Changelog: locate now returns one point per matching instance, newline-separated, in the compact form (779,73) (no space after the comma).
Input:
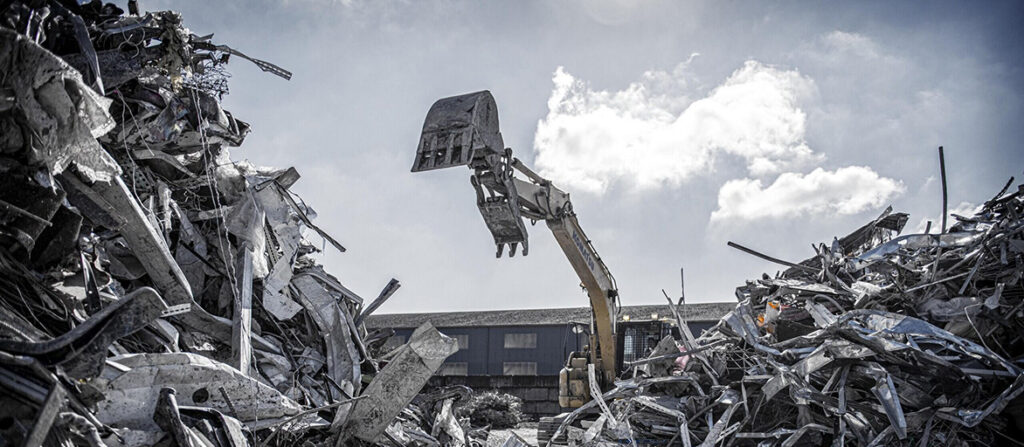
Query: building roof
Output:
(542,317)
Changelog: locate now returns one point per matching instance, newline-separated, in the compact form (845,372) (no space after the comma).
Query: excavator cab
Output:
(463,130)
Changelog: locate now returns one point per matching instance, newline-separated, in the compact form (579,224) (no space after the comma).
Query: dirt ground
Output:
(525,430)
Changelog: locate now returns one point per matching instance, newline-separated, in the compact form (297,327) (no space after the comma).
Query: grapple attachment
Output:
(500,211)
(459,130)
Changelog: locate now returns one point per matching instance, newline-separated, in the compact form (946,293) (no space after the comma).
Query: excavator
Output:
(463,131)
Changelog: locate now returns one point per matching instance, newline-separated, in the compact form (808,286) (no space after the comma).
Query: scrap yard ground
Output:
(155,292)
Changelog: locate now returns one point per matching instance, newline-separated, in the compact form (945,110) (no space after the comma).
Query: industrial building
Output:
(536,342)
(520,352)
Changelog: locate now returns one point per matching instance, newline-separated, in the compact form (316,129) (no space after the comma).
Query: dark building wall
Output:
(554,343)
(487,354)
(478,351)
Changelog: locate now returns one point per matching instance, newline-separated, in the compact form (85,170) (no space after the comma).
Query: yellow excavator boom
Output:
(463,131)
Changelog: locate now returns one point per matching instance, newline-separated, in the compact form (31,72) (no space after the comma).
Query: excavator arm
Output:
(463,130)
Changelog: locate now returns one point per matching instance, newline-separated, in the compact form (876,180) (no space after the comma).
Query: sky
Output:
(675,127)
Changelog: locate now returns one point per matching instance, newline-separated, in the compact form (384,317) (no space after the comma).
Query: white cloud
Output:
(851,54)
(652,133)
(965,209)
(847,190)
(854,43)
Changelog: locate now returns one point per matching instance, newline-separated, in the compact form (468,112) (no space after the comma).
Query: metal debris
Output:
(399,382)
(879,339)
(153,291)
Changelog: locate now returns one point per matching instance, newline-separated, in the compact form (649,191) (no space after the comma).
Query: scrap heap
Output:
(879,339)
(154,291)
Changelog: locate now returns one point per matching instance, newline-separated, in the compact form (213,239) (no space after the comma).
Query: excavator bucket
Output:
(463,130)
(459,130)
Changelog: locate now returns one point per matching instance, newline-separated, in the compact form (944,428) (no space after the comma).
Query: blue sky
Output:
(676,126)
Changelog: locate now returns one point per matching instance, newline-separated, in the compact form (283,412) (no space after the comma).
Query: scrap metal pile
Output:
(879,339)
(152,291)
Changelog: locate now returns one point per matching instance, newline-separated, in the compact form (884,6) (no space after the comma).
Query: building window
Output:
(393,342)
(454,369)
(463,341)
(519,368)
(520,341)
